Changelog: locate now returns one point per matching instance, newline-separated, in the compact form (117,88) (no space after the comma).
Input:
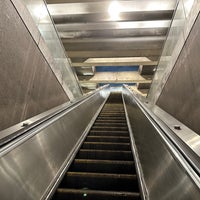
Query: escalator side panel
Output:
(164,177)
(29,167)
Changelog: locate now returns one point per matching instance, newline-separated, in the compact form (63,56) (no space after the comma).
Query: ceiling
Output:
(113,34)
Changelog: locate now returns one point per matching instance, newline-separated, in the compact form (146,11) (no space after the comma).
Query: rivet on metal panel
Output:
(25,124)
(177,127)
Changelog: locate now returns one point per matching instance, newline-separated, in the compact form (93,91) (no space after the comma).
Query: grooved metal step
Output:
(82,194)
(106,146)
(109,133)
(111,121)
(111,124)
(103,166)
(95,138)
(109,128)
(100,181)
(111,115)
(104,154)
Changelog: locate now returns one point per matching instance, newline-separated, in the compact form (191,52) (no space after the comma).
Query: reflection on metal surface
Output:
(15,131)
(102,7)
(30,166)
(50,45)
(184,18)
(113,25)
(114,10)
(166,173)
(142,184)
(186,135)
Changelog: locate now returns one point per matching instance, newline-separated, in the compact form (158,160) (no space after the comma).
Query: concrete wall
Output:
(27,84)
(181,94)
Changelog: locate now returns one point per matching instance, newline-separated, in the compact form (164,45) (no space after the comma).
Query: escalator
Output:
(104,166)
(85,151)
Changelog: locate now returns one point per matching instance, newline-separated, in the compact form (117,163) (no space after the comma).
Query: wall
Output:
(27,84)
(183,20)
(181,94)
(35,16)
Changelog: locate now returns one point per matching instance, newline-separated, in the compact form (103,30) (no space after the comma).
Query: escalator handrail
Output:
(188,163)
(10,134)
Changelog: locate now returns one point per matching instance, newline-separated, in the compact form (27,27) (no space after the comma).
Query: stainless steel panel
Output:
(114,40)
(165,175)
(184,18)
(180,96)
(30,165)
(104,17)
(114,25)
(114,33)
(24,91)
(35,16)
(187,140)
(101,7)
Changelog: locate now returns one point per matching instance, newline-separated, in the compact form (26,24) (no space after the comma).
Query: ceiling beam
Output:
(76,1)
(113,25)
(118,45)
(113,33)
(105,17)
(117,53)
(101,7)
(115,64)
(114,81)
(114,40)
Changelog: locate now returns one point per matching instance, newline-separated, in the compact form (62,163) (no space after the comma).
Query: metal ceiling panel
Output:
(113,25)
(117,53)
(114,40)
(114,45)
(114,33)
(88,32)
(101,7)
(104,17)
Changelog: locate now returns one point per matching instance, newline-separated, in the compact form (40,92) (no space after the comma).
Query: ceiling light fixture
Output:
(114,10)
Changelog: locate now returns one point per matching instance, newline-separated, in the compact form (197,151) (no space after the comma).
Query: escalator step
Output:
(106,146)
(110,124)
(113,111)
(81,194)
(111,115)
(103,166)
(109,133)
(111,121)
(111,118)
(100,181)
(104,154)
(91,138)
(109,128)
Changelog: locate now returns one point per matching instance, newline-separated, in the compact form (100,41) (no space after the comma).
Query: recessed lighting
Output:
(114,10)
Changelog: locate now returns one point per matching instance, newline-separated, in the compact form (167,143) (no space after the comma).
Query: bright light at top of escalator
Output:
(40,12)
(114,10)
